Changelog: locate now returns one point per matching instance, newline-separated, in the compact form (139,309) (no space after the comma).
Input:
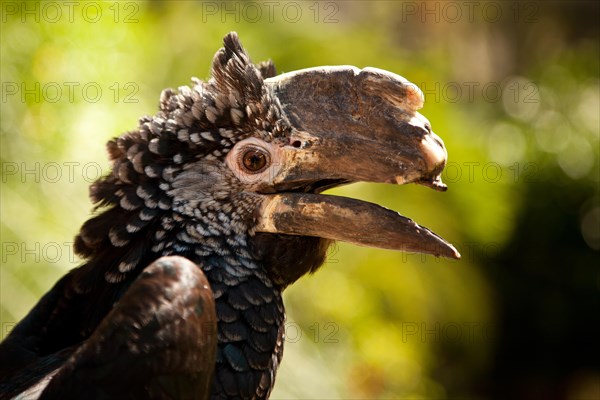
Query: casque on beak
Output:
(352,125)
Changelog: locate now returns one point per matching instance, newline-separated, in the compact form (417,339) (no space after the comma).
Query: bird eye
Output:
(255,160)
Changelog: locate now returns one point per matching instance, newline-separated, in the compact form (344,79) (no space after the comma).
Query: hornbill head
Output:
(241,159)
(284,139)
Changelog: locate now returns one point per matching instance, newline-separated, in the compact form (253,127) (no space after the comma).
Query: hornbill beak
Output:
(352,125)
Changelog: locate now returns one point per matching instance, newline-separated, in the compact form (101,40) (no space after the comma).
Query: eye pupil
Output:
(254,160)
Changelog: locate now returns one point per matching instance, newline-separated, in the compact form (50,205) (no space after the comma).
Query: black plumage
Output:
(193,239)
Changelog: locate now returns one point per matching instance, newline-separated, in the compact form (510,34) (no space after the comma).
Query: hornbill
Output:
(213,206)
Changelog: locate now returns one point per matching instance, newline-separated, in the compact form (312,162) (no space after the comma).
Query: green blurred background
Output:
(512,88)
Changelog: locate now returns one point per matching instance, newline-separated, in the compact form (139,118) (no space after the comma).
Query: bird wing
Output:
(159,341)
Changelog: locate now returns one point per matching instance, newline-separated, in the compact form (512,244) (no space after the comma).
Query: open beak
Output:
(352,125)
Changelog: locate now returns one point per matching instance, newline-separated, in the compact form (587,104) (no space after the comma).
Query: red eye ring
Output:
(254,160)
